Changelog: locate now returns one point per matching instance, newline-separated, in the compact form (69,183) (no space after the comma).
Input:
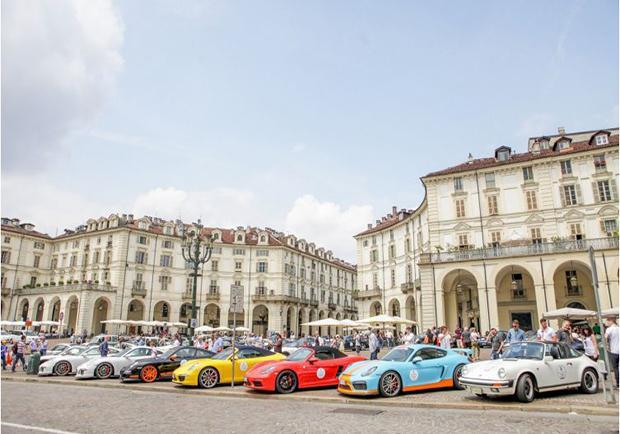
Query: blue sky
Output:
(312,117)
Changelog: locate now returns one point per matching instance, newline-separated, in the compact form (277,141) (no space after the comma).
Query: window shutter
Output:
(595,192)
(578,194)
(614,189)
(562,198)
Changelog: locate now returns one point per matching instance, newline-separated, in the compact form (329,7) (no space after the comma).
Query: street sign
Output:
(236,298)
(193,323)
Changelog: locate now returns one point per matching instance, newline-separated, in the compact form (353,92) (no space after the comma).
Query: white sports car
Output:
(529,367)
(67,362)
(111,366)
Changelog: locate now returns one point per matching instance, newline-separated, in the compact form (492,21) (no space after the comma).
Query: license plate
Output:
(476,389)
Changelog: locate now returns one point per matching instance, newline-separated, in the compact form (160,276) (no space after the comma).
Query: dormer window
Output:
(563,144)
(602,139)
(142,225)
(544,143)
(215,236)
(503,155)
(239,237)
(263,238)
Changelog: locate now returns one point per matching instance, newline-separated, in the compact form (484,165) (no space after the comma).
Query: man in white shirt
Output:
(612,336)
(373,345)
(409,337)
(546,333)
(445,340)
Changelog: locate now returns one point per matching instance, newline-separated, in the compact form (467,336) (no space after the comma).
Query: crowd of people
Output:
(14,351)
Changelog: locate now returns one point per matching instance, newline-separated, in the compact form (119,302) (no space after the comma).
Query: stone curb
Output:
(606,410)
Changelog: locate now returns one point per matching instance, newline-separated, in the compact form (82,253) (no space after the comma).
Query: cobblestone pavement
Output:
(80,409)
(561,401)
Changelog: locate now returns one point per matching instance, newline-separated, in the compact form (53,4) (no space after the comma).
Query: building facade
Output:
(125,268)
(500,238)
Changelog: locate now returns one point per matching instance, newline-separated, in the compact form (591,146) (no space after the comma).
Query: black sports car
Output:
(161,368)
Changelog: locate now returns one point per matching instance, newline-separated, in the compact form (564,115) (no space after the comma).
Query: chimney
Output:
(383,219)
(369,225)
(394,210)
(130,218)
(470,158)
(378,221)
(561,131)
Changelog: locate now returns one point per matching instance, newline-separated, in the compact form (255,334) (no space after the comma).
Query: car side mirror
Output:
(548,359)
(417,359)
(313,360)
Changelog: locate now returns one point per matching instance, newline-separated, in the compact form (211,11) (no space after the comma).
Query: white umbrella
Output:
(325,322)
(351,323)
(12,323)
(204,328)
(179,324)
(610,312)
(222,329)
(49,323)
(242,329)
(569,313)
(115,321)
(386,319)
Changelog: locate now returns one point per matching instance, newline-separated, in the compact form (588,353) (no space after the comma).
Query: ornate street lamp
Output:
(196,250)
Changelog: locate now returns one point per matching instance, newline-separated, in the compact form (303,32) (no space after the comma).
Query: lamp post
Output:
(196,250)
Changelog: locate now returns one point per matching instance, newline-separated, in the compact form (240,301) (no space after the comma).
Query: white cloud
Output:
(328,224)
(60,61)
(225,207)
(50,209)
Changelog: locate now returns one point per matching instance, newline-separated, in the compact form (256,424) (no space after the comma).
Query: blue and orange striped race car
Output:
(406,368)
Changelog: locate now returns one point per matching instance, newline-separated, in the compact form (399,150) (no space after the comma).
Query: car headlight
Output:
(369,371)
(464,370)
(268,369)
(501,373)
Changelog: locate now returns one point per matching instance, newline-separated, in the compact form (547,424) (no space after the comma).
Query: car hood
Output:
(488,368)
(359,367)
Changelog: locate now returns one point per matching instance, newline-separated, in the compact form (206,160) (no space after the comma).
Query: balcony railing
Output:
(406,287)
(331,305)
(67,287)
(314,301)
(370,293)
(562,246)
(187,295)
(573,291)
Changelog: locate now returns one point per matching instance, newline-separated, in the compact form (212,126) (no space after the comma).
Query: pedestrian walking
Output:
(43,346)
(104,348)
(18,353)
(475,343)
(357,340)
(373,344)
(277,347)
(612,336)
(3,352)
(497,343)
(466,338)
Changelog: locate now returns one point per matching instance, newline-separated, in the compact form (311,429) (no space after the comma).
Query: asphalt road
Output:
(39,407)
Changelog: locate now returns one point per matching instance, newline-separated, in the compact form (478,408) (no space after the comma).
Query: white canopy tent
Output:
(12,323)
(202,329)
(385,319)
(325,322)
(569,313)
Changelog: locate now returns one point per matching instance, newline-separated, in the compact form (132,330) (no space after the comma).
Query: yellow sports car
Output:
(208,373)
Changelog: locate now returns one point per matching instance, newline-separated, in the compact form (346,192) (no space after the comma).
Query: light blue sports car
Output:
(405,368)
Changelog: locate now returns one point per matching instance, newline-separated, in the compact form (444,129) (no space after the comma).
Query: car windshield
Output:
(223,355)
(398,355)
(524,350)
(299,355)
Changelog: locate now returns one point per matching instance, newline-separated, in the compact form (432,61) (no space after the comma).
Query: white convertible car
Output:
(111,366)
(67,362)
(529,367)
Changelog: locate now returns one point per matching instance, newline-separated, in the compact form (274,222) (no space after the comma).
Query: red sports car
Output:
(305,368)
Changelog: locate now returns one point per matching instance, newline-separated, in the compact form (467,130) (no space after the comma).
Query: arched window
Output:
(164,310)
(576,305)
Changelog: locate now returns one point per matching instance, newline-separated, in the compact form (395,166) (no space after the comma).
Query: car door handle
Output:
(569,364)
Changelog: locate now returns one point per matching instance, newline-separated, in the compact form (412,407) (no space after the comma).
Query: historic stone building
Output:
(500,238)
(124,268)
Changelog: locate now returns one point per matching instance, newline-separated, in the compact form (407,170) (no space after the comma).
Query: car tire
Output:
(286,382)
(525,388)
(390,384)
(104,370)
(62,368)
(148,374)
(589,381)
(208,378)
(456,376)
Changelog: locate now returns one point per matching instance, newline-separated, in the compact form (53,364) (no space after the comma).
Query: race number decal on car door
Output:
(413,375)
(243,366)
(320,373)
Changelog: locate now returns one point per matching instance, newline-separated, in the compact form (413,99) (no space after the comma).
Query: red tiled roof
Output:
(484,163)
(19,230)
(389,222)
